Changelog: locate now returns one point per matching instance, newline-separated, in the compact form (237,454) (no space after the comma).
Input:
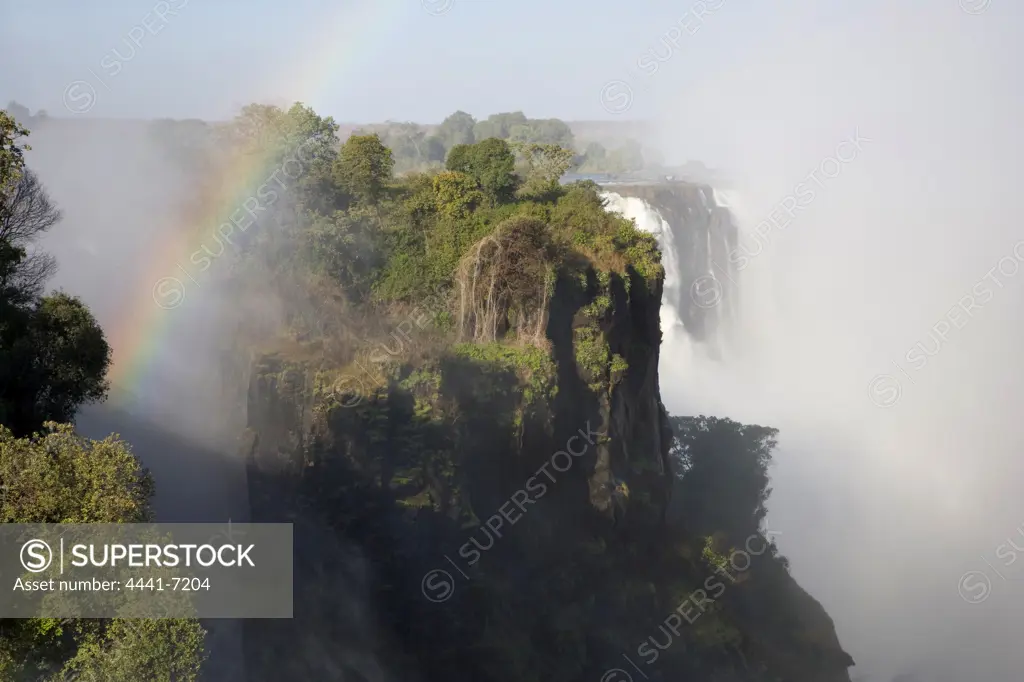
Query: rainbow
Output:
(169,279)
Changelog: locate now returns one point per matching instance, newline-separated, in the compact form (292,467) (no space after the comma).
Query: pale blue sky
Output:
(549,58)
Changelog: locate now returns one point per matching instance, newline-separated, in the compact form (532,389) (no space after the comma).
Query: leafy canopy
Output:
(59,477)
(364,167)
(491,163)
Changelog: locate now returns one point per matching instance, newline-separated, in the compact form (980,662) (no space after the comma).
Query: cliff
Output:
(481,487)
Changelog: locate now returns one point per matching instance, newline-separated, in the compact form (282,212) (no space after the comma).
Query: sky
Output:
(883,509)
(388,59)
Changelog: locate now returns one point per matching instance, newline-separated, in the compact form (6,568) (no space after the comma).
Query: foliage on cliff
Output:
(467,367)
(448,334)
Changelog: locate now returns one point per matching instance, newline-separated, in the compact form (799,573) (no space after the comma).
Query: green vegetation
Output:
(54,358)
(418,148)
(451,323)
(720,459)
(490,163)
(490,313)
(532,365)
(58,477)
(364,167)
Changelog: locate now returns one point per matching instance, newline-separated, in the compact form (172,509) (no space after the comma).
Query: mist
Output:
(899,464)
(121,194)
(895,482)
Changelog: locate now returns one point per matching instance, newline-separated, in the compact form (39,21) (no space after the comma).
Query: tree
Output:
(257,127)
(364,167)
(490,162)
(546,164)
(460,158)
(457,194)
(543,131)
(277,135)
(344,247)
(12,154)
(26,212)
(723,467)
(53,359)
(13,295)
(494,166)
(163,650)
(53,356)
(498,125)
(59,477)
(457,129)
(412,148)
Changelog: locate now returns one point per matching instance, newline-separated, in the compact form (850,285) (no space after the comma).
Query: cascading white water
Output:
(650,220)
(701,290)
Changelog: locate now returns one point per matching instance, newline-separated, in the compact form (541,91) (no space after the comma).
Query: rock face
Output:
(497,510)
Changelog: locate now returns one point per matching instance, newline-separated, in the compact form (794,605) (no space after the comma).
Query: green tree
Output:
(59,477)
(598,159)
(12,154)
(53,356)
(545,166)
(53,359)
(344,247)
(364,167)
(498,125)
(164,650)
(723,466)
(56,476)
(457,194)
(490,162)
(256,129)
(547,131)
(460,158)
(413,150)
(277,136)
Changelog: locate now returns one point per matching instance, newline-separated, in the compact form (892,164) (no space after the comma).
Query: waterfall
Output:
(651,221)
(696,234)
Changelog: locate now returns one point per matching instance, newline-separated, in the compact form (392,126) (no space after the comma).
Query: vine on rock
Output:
(505,283)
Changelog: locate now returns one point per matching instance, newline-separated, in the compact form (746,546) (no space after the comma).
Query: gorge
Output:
(392,443)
